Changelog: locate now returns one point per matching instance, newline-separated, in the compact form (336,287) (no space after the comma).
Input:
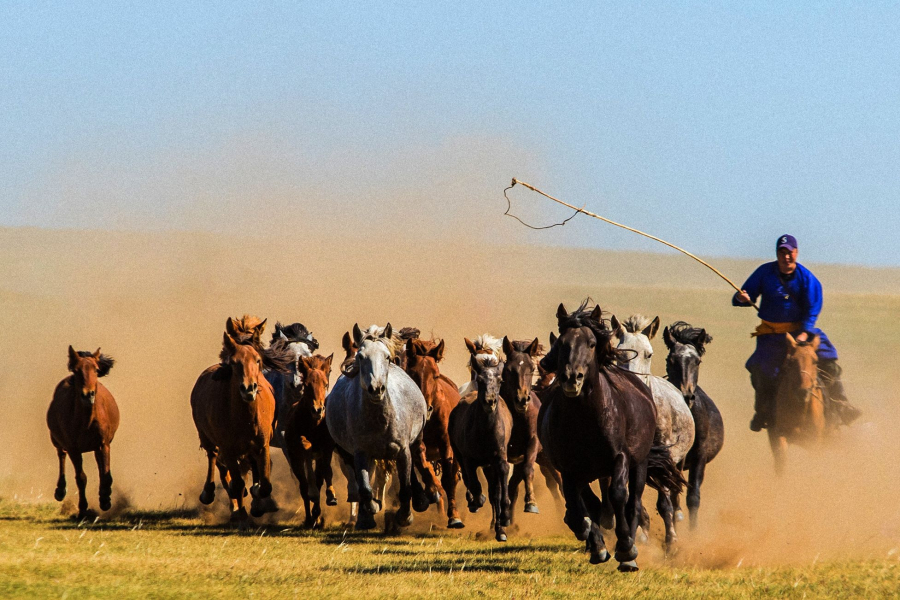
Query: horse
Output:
(83,417)
(300,341)
(405,334)
(524,405)
(799,401)
(233,408)
(674,422)
(308,446)
(485,345)
(552,478)
(598,421)
(686,345)
(480,428)
(441,397)
(376,411)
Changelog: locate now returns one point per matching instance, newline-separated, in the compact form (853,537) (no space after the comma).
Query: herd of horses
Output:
(588,410)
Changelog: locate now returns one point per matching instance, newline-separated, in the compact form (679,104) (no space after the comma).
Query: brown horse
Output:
(523,405)
(799,401)
(441,397)
(598,421)
(308,445)
(83,417)
(233,407)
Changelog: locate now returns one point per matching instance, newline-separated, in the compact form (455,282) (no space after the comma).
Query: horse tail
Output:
(662,472)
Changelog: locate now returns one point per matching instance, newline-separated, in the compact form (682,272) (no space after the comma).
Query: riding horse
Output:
(686,345)
(83,417)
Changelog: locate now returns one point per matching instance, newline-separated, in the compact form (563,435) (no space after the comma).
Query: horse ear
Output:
(553,338)
(228,343)
(597,313)
(410,349)
(258,330)
(651,329)
(326,366)
(357,335)
(345,342)
(437,353)
(614,323)
(73,359)
(230,327)
(791,341)
(96,355)
(816,340)
(535,348)
(303,365)
(667,338)
(388,331)
(561,312)
(507,346)
(471,346)
(618,332)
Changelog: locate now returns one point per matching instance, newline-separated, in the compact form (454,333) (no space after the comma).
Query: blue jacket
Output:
(794,299)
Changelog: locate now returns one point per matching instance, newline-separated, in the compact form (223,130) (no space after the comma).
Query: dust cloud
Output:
(435,254)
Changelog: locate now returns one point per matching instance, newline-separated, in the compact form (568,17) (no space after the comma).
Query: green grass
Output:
(165,554)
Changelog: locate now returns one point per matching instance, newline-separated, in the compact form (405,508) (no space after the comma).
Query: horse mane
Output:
(636,323)
(408,333)
(104,363)
(295,332)
(247,323)
(685,333)
(486,345)
(317,361)
(394,345)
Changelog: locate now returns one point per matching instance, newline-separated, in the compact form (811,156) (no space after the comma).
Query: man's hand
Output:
(802,337)
(744,297)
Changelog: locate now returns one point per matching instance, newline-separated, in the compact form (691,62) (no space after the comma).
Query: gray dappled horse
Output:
(288,387)
(376,412)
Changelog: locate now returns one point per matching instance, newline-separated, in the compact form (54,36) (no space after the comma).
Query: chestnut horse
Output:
(441,396)
(83,417)
(523,405)
(233,408)
(799,401)
(598,421)
(308,445)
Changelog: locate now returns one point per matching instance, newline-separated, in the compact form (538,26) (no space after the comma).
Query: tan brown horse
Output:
(83,417)
(441,396)
(308,445)
(233,408)
(799,401)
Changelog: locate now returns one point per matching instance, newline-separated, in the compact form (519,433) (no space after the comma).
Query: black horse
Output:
(686,345)
(598,421)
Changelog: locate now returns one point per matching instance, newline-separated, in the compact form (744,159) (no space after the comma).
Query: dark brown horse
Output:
(523,405)
(308,445)
(480,428)
(83,417)
(799,401)
(441,397)
(233,408)
(598,421)
(686,345)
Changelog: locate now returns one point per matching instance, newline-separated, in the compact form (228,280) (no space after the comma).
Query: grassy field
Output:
(172,554)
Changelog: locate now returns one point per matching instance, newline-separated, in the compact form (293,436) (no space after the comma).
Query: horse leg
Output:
(367,506)
(513,486)
(607,512)
(626,502)
(420,501)
(103,466)
(262,502)
(667,512)
(381,479)
(576,514)
(596,544)
(642,533)
(779,451)
(209,487)
(60,492)
(325,475)
(426,470)
(81,482)
(497,477)
(695,480)
(474,496)
(528,472)
(449,471)
(404,473)
(313,491)
(236,491)
(554,483)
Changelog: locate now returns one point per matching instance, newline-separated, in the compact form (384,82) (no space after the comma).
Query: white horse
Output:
(674,421)
(376,412)
(485,349)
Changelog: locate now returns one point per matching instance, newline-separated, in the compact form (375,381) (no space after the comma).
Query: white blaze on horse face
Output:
(374,359)
(641,345)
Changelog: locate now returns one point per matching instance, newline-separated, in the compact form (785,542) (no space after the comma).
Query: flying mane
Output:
(394,345)
(636,323)
(685,333)
(488,351)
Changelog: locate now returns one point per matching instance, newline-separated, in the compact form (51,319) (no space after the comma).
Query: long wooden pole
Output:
(632,229)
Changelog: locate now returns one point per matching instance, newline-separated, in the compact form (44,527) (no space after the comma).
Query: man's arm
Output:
(813,302)
(750,291)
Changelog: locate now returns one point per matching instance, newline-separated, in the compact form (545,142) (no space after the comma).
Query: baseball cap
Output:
(786,241)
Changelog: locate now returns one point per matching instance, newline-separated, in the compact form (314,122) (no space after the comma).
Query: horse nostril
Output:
(579,376)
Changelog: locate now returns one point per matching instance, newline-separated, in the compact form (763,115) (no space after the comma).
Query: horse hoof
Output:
(331,501)
(501,537)
(601,557)
(208,494)
(474,505)
(455,523)
(531,507)
(628,566)
(404,518)
(239,515)
(254,490)
(627,556)
(59,494)
(105,504)
(261,506)
(365,522)
(679,516)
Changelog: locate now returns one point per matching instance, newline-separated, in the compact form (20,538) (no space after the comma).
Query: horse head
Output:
(686,345)
(315,371)
(377,349)
(246,366)
(422,360)
(348,365)
(488,372)
(247,329)
(634,335)
(801,364)
(518,372)
(87,367)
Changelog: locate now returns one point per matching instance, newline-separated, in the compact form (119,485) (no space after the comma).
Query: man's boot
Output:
(834,391)
(763,405)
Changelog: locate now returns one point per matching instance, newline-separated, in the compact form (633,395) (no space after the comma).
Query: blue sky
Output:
(716,127)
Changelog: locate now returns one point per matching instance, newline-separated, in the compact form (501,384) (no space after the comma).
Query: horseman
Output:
(791,300)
